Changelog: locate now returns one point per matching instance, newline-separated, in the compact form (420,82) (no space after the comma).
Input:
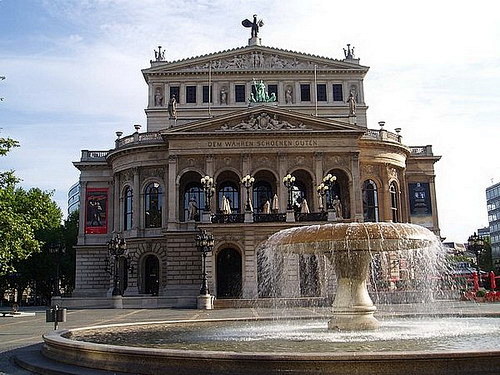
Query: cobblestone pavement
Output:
(21,332)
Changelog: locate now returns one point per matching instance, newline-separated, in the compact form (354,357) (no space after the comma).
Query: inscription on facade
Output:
(305,143)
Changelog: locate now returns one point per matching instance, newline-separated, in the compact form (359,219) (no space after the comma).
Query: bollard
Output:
(55,315)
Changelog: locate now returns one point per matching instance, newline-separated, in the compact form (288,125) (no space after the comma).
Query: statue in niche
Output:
(289,95)
(254,25)
(354,90)
(158,98)
(223,96)
(337,207)
(172,107)
(352,104)
(192,209)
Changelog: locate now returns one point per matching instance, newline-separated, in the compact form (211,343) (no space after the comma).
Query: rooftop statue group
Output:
(261,94)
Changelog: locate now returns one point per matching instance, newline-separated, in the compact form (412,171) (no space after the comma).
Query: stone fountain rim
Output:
(57,338)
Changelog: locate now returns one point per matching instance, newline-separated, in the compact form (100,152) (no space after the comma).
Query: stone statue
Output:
(288,95)
(158,98)
(337,207)
(352,104)
(172,107)
(223,96)
(349,52)
(159,55)
(192,209)
(267,207)
(254,25)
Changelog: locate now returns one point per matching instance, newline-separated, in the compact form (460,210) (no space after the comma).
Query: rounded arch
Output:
(149,180)
(153,203)
(341,189)
(264,188)
(186,170)
(191,195)
(303,187)
(150,273)
(229,271)
(228,184)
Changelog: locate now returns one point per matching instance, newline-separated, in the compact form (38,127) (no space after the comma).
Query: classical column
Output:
(116,203)
(356,195)
(136,202)
(318,171)
(282,191)
(171,185)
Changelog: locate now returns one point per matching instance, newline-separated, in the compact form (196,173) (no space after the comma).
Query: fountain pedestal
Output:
(352,308)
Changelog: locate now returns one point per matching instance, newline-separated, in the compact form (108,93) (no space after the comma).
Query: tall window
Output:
(230,191)
(207,94)
(239,93)
(194,193)
(337,92)
(190,94)
(305,93)
(262,192)
(321,92)
(153,204)
(393,190)
(174,91)
(298,194)
(273,89)
(127,209)
(370,201)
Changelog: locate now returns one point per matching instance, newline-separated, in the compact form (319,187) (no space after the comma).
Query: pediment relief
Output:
(262,121)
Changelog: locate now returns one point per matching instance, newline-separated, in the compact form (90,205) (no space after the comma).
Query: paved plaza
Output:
(24,333)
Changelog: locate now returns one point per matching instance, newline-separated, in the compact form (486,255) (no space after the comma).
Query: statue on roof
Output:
(349,52)
(261,95)
(254,25)
(159,55)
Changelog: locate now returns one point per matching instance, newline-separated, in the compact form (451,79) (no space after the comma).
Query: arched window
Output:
(193,192)
(153,202)
(127,209)
(393,190)
(262,192)
(370,201)
(231,192)
(298,194)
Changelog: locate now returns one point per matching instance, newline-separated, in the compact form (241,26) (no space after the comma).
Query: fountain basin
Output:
(245,360)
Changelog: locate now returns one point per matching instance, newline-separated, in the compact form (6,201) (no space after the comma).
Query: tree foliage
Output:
(23,215)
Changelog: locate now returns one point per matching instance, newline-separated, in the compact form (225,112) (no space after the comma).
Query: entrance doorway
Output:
(229,274)
(151,275)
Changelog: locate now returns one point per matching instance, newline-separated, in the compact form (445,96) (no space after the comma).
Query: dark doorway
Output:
(123,273)
(229,274)
(151,275)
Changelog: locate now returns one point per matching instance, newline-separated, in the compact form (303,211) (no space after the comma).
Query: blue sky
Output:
(73,77)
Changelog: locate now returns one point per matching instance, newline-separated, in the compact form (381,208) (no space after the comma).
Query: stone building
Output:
(257,111)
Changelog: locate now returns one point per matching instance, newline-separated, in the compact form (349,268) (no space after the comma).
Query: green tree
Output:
(23,215)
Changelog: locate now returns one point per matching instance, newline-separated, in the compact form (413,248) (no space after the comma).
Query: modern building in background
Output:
(493,207)
(287,119)
(74,198)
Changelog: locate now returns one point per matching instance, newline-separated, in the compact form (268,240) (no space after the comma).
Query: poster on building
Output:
(96,211)
(420,199)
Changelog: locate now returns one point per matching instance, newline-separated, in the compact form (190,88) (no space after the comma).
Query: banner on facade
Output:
(420,199)
(96,211)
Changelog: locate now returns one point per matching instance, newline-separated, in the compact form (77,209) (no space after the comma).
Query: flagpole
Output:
(316,93)
(209,87)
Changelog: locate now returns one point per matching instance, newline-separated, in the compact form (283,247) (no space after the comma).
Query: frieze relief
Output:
(190,162)
(127,176)
(369,170)
(392,172)
(257,60)
(265,161)
(303,161)
(152,172)
(337,161)
(263,121)
(223,162)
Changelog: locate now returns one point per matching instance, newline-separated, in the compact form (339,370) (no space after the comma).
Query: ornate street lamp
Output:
(476,245)
(247,182)
(329,180)
(288,181)
(205,244)
(57,249)
(208,185)
(117,247)
(322,189)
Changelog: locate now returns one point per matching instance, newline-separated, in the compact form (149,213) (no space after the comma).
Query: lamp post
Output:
(476,244)
(247,182)
(322,189)
(329,180)
(288,181)
(116,247)
(205,244)
(208,185)
(57,249)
